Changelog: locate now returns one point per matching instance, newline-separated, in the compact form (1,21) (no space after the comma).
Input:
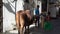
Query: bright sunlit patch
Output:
(32,25)
(13,31)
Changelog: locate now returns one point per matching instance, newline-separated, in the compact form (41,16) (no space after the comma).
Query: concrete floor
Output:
(56,29)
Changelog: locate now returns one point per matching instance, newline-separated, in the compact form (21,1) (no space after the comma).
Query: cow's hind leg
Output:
(18,31)
(21,30)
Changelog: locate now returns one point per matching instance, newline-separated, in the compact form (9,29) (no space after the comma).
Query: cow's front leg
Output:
(25,30)
(28,30)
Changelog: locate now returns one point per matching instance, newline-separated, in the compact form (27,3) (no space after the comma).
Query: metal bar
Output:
(15,8)
(47,5)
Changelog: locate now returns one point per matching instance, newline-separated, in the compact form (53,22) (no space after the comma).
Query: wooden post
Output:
(42,21)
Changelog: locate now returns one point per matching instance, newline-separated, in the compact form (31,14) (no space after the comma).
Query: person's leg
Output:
(38,22)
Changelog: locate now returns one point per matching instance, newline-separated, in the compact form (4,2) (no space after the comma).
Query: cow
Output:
(23,19)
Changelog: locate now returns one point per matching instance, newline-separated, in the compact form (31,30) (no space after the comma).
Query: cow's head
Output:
(28,14)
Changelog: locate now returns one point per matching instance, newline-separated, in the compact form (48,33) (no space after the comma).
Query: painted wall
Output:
(9,13)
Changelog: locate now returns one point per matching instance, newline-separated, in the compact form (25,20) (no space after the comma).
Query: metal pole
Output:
(47,6)
(15,8)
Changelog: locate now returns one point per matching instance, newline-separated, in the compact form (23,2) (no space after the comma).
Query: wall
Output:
(9,13)
(40,5)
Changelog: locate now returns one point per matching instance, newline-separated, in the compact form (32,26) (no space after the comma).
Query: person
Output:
(37,14)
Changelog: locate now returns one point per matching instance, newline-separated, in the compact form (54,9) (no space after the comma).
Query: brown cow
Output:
(23,19)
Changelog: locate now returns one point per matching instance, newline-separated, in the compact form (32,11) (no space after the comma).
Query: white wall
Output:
(40,6)
(9,13)
(53,11)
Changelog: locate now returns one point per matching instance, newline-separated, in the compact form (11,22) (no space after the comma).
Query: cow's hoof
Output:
(26,32)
